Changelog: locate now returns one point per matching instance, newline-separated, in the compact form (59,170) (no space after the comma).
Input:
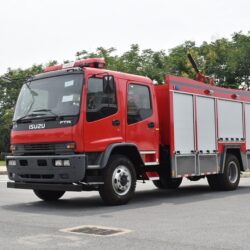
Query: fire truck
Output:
(81,127)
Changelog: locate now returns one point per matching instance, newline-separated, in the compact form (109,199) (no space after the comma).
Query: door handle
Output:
(151,124)
(116,122)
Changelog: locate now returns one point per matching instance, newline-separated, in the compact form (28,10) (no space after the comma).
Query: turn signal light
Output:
(12,148)
(71,145)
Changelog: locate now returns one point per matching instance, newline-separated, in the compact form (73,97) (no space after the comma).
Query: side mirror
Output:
(108,84)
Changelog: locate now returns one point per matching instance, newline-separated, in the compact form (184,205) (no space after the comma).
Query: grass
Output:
(2,163)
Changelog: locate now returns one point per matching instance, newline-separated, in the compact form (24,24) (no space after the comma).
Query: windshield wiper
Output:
(36,113)
(27,115)
(46,110)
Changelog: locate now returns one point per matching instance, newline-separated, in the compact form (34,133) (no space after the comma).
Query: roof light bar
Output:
(89,62)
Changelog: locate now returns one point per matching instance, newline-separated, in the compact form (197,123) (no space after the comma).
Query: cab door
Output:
(142,122)
(102,125)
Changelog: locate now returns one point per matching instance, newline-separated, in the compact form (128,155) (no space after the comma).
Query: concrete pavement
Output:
(3,170)
(191,217)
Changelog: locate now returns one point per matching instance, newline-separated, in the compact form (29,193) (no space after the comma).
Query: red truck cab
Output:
(73,121)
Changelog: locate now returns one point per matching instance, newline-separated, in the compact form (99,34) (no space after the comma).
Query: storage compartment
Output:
(208,164)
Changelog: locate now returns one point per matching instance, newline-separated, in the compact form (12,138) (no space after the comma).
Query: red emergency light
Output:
(89,62)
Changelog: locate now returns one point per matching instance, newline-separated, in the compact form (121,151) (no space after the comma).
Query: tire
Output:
(230,178)
(158,184)
(168,183)
(213,182)
(48,195)
(119,181)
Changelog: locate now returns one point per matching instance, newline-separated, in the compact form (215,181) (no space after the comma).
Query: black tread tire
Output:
(168,183)
(158,184)
(222,181)
(49,195)
(106,191)
(213,182)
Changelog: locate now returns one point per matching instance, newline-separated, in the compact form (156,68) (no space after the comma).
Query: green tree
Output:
(178,63)
(8,96)
(111,61)
(216,62)
(239,59)
(5,123)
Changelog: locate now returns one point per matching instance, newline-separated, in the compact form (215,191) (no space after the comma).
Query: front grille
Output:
(37,176)
(42,163)
(42,149)
(23,163)
(38,147)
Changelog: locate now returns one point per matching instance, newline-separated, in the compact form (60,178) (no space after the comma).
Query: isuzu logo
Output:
(37,126)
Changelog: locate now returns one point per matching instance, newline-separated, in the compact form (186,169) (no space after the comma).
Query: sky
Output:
(38,31)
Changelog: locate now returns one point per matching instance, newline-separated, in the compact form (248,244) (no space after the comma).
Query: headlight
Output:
(66,163)
(12,148)
(62,163)
(58,163)
(12,162)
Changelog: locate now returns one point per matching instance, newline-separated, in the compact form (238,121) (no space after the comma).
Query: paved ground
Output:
(192,217)
(3,170)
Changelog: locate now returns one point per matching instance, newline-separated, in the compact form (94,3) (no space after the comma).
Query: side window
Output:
(139,103)
(101,98)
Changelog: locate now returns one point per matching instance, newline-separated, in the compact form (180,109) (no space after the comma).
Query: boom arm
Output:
(199,76)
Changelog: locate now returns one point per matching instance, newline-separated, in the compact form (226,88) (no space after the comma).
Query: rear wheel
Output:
(230,178)
(213,182)
(119,181)
(48,195)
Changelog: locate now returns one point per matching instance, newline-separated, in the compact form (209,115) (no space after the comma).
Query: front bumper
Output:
(46,186)
(41,169)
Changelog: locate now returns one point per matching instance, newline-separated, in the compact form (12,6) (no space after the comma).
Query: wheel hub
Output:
(121,180)
(232,172)
(124,180)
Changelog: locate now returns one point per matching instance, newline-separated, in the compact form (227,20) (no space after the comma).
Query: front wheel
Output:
(48,195)
(119,181)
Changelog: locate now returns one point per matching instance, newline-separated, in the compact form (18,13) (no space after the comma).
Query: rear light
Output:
(235,96)
(209,92)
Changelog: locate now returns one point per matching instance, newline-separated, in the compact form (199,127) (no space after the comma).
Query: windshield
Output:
(54,96)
